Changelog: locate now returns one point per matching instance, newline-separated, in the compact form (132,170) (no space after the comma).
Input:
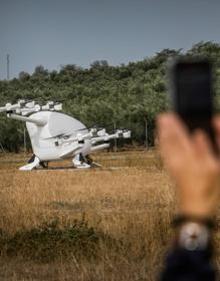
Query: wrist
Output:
(181,219)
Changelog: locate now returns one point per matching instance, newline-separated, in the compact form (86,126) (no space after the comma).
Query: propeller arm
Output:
(9,107)
(52,106)
(125,134)
(118,134)
(3,109)
(78,138)
(25,107)
(100,139)
(38,122)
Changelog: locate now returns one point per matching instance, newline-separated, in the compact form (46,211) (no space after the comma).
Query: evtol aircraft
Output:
(57,136)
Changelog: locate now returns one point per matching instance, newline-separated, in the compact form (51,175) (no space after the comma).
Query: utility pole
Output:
(115,140)
(2,148)
(25,144)
(146,132)
(8,65)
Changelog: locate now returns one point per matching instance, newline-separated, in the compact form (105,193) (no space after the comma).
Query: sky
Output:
(53,33)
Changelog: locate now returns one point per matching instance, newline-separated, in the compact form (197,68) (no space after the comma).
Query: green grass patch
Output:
(49,241)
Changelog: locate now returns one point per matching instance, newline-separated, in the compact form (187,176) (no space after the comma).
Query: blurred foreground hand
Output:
(192,165)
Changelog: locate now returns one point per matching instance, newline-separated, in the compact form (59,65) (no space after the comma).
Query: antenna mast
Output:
(8,65)
(2,148)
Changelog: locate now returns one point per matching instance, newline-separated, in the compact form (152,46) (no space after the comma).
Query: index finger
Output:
(173,134)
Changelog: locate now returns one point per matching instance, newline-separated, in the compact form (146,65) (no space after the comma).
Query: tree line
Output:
(128,96)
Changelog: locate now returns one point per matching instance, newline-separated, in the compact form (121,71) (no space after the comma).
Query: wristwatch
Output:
(193,236)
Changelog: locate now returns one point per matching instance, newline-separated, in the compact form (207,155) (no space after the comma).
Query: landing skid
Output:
(33,163)
(79,162)
(80,165)
(82,162)
(96,165)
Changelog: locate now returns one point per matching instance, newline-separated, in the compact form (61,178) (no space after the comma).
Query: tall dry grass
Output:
(120,212)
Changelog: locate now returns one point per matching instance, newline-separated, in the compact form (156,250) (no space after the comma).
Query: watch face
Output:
(193,236)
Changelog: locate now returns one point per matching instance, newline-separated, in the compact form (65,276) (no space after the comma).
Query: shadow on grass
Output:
(48,242)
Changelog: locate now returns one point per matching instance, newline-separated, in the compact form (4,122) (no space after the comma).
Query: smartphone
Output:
(191,88)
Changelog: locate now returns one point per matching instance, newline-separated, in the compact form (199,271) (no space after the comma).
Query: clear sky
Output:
(59,32)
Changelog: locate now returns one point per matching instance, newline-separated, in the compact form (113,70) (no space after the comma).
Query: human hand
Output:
(192,164)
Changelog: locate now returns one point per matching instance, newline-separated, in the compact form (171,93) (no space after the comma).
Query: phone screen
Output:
(193,88)
(193,93)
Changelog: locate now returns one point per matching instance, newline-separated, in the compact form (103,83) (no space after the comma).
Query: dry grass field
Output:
(110,223)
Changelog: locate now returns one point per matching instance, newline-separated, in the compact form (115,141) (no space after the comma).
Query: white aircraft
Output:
(57,136)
